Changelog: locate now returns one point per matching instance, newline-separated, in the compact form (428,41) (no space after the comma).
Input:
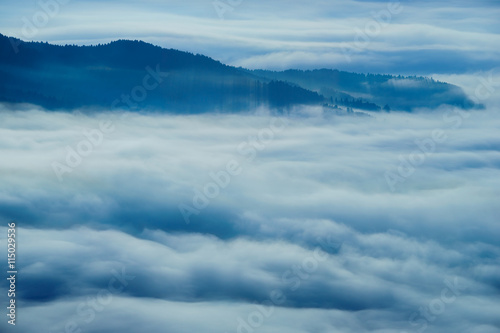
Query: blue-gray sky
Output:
(407,37)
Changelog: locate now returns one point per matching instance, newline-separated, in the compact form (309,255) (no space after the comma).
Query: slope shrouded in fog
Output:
(58,77)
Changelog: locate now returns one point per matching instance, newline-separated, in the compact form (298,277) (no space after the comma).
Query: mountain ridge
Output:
(70,76)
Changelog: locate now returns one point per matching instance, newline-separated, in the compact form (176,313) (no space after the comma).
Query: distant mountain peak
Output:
(58,77)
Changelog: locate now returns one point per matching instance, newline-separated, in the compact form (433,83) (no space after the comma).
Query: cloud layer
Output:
(404,37)
(309,227)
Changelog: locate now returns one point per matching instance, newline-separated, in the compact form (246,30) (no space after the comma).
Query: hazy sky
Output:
(407,37)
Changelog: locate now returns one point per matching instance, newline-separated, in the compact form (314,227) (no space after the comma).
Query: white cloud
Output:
(311,33)
(319,177)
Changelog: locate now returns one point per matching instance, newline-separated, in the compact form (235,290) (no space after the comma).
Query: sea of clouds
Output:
(253,222)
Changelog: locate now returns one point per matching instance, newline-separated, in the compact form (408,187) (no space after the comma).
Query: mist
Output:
(383,223)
